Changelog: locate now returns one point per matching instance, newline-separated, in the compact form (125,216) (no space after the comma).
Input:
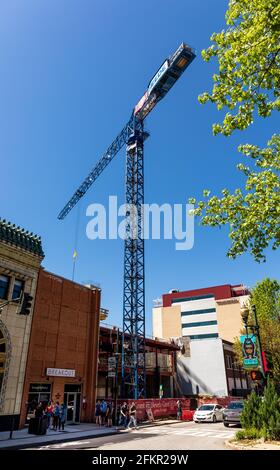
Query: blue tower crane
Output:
(133,136)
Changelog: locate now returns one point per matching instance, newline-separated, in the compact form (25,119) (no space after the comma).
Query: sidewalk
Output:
(22,439)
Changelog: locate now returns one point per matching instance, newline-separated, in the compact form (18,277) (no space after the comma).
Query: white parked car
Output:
(208,412)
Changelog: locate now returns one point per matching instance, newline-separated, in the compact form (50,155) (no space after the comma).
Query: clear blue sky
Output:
(71,72)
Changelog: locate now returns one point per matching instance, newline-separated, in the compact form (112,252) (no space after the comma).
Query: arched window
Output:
(3,352)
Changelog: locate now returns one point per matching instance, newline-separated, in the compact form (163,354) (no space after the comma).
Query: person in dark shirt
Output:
(123,415)
(39,412)
(179,409)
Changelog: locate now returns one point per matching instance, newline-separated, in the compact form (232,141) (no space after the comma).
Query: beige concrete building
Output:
(212,312)
(20,258)
(207,320)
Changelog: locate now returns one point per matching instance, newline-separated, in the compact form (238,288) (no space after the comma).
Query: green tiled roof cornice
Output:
(17,236)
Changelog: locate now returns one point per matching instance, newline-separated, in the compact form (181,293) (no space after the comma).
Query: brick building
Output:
(62,357)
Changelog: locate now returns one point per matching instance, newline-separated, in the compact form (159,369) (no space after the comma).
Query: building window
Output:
(17,290)
(209,335)
(228,362)
(38,392)
(4,287)
(198,312)
(199,323)
(197,297)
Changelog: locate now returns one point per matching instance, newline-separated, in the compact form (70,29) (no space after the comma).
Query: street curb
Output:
(234,446)
(18,445)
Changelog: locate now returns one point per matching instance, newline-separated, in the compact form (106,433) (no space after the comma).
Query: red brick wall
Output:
(65,330)
(219,292)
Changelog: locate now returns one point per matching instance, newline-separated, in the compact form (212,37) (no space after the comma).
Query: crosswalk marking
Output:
(204,432)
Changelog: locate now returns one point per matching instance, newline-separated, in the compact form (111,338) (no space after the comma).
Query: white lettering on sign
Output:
(157,76)
(61,372)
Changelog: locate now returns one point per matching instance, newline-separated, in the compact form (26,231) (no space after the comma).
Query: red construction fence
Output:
(165,408)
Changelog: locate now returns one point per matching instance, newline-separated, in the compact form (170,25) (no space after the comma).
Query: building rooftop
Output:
(224,291)
(150,340)
(19,237)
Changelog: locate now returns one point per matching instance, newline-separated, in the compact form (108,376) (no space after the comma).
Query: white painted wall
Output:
(200,317)
(199,304)
(203,372)
(200,330)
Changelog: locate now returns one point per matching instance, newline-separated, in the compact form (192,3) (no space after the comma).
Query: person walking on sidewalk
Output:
(124,415)
(109,415)
(179,409)
(56,413)
(98,413)
(132,416)
(62,417)
(49,413)
(103,409)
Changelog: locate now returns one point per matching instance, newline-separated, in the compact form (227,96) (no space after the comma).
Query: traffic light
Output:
(256,375)
(267,361)
(25,305)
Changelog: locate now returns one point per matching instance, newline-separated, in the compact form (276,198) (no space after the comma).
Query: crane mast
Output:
(133,136)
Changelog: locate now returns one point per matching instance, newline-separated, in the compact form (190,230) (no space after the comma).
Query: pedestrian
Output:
(62,417)
(132,416)
(49,412)
(109,415)
(103,409)
(56,413)
(179,409)
(124,415)
(98,413)
(39,412)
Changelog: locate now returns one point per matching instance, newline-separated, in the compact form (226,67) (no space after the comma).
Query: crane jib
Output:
(106,158)
(161,83)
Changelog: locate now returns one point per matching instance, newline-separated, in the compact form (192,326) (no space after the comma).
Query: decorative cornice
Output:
(17,236)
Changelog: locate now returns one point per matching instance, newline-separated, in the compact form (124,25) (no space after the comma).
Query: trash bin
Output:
(38,425)
(33,426)
(43,425)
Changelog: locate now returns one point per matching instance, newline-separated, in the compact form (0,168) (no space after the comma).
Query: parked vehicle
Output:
(232,413)
(208,412)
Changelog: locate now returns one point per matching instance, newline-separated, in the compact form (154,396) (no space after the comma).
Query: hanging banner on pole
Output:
(249,351)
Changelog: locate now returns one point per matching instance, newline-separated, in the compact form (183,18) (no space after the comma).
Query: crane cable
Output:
(75,254)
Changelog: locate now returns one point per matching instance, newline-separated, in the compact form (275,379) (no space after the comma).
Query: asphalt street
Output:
(180,436)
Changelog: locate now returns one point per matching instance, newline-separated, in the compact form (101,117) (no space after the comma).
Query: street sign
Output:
(111,363)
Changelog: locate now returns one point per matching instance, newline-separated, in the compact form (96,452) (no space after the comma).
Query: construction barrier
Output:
(165,408)
(187,415)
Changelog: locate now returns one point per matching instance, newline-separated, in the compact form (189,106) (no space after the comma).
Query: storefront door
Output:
(72,400)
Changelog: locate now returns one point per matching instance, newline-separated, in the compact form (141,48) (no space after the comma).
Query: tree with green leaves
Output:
(270,412)
(251,414)
(261,415)
(247,84)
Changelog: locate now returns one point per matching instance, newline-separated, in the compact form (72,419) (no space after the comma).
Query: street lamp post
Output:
(256,331)
(116,379)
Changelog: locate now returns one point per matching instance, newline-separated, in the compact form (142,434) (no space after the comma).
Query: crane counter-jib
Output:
(164,79)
